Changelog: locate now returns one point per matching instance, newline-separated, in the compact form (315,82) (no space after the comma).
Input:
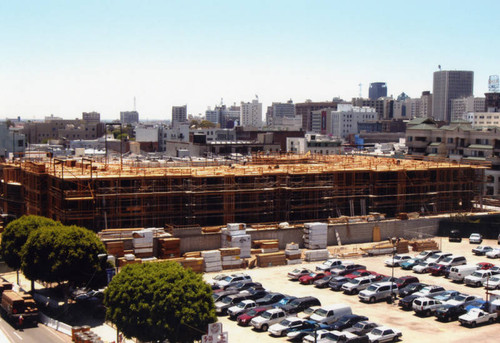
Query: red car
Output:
(245,318)
(404,281)
(360,273)
(437,270)
(484,265)
(310,278)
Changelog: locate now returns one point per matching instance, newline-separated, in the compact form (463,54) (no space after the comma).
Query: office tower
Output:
(449,85)
(251,113)
(377,90)
(426,105)
(179,115)
(129,117)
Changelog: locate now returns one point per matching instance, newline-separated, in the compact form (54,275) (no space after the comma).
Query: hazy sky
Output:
(66,57)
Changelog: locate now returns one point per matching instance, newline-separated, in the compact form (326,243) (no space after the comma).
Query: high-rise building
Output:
(279,110)
(179,115)
(426,105)
(129,117)
(492,102)
(449,85)
(251,113)
(461,106)
(305,110)
(377,90)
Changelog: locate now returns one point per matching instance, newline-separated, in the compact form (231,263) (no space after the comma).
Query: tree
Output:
(16,234)
(206,124)
(64,254)
(159,301)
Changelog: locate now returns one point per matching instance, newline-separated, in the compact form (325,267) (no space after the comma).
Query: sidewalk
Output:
(105,331)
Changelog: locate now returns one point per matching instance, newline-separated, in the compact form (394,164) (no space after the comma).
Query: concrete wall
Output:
(348,233)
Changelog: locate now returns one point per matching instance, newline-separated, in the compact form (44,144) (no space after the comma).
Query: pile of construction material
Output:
(169,247)
(194,263)
(128,259)
(424,244)
(315,235)
(271,259)
(293,254)
(316,255)
(115,248)
(402,246)
(212,261)
(234,236)
(142,241)
(231,258)
(83,334)
(266,245)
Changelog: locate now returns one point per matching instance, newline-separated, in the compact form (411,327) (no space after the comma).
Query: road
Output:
(32,334)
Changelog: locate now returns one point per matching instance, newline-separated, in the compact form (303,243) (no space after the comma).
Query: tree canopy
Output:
(16,234)
(64,253)
(159,301)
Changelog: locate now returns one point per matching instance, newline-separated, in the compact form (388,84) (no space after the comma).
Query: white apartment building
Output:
(483,118)
(314,143)
(461,106)
(251,113)
(344,121)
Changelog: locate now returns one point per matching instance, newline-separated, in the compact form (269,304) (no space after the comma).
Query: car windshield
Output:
(422,254)
(460,297)
(341,267)
(296,302)
(343,320)
(477,274)
(340,279)
(241,305)
(448,259)
(296,271)
(285,322)
(312,274)
(227,300)
(266,315)
(309,310)
(252,313)
(320,312)
(359,325)
(372,288)
(227,278)
(495,279)
(354,281)
(422,263)
(332,337)
(284,301)
(376,332)
(268,297)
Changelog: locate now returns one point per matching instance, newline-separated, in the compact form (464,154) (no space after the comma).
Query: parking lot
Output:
(414,328)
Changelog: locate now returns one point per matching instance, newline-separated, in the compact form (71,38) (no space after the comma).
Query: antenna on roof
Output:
(439,67)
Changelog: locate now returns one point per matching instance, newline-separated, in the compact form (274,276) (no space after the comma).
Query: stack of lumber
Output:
(115,248)
(402,247)
(212,260)
(230,258)
(315,235)
(316,255)
(192,254)
(271,259)
(142,241)
(169,247)
(293,254)
(424,244)
(128,259)
(234,236)
(266,245)
(195,263)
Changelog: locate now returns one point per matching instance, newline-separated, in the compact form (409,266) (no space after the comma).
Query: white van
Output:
(454,260)
(330,314)
(458,273)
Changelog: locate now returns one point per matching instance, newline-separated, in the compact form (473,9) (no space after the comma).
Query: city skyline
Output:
(67,58)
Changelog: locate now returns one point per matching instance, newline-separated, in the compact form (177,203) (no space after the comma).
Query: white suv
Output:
(478,277)
(268,318)
(425,305)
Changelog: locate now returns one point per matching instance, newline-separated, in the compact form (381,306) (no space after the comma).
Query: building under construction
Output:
(265,189)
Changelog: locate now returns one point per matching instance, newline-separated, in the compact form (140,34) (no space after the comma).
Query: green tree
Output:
(64,254)
(206,124)
(159,301)
(16,234)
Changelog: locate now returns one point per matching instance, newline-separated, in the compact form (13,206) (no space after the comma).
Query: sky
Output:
(68,57)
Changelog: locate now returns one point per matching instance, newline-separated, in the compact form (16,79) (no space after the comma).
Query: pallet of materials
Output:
(115,248)
(195,263)
(212,261)
(169,247)
(315,235)
(293,253)
(316,255)
(234,236)
(271,259)
(421,245)
(402,246)
(231,258)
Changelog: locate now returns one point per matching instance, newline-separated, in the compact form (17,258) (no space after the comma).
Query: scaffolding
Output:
(265,189)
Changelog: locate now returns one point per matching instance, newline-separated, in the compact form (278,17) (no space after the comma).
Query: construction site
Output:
(264,189)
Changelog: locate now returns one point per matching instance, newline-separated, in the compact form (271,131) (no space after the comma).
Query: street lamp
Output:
(393,241)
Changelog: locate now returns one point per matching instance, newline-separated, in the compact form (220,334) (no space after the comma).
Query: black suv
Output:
(455,236)
(300,304)
(447,312)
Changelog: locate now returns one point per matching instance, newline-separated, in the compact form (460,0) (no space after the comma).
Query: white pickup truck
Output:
(477,316)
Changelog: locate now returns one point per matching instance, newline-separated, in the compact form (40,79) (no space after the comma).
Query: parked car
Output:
(219,295)
(455,236)
(270,299)
(330,314)
(335,336)
(323,282)
(492,283)
(310,278)
(475,238)
(328,265)
(447,295)
(425,306)
(479,303)
(447,312)
(233,279)
(345,322)
(295,274)
(228,301)
(438,257)
(423,267)
(453,260)
(481,250)
(254,294)
(241,286)
(384,334)
(346,269)
(404,281)
(354,286)
(287,324)
(240,308)
(477,278)
(484,265)
(245,318)
(409,264)
(268,318)
(437,270)
(315,336)
(300,304)
(462,300)
(430,290)
(379,291)
(406,303)
(336,282)
(359,273)
(362,327)
(411,288)
(309,326)
(493,253)
(476,316)
(396,260)
(423,255)
(286,300)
